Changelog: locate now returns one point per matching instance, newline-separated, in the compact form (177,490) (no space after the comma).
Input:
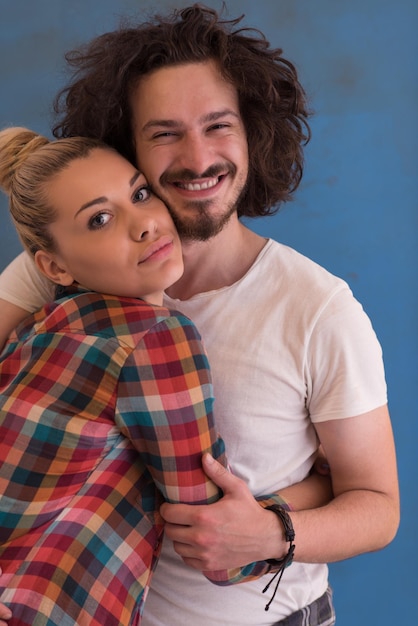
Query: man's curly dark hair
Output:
(271,99)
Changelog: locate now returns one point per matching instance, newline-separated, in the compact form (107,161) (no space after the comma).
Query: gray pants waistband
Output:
(318,613)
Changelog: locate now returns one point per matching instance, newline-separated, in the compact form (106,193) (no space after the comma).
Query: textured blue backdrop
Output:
(356,212)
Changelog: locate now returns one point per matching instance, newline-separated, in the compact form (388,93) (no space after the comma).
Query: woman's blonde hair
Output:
(28,161)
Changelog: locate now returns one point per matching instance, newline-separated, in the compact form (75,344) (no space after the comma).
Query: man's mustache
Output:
(188,175)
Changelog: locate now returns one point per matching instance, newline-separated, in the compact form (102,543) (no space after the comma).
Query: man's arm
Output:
(23,290)
(363,516)
(11,315)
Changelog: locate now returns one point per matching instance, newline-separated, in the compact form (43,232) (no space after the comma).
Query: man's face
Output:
(191,145)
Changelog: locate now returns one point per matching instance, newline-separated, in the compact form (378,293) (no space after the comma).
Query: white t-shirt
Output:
(289,346)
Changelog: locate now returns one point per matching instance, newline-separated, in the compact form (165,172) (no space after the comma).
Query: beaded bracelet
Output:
(281,564)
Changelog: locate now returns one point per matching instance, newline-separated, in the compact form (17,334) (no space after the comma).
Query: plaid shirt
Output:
(105,410)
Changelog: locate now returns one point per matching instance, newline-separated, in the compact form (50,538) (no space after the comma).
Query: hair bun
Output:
(16,145)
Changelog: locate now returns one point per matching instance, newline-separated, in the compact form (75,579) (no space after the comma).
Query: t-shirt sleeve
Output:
(22,284)
(344,362)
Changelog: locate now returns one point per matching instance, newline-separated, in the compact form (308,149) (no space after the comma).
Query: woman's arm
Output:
(164,407)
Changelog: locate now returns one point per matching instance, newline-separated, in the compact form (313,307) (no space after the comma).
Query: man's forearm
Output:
(353,523)
(313,492)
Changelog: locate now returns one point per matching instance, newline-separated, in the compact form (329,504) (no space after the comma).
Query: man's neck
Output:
(218,262)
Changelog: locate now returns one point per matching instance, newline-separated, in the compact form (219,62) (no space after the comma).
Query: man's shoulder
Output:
(298,270)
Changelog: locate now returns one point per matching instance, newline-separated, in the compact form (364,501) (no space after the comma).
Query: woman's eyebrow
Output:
(103,199)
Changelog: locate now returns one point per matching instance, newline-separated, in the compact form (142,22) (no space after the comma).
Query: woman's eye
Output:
(98,221)
(142,194)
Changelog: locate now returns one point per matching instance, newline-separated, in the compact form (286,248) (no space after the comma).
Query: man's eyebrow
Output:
(103,199)
(216,115)
(160,124)
(213,116)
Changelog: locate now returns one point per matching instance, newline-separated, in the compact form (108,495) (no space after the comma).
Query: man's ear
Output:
(47,263)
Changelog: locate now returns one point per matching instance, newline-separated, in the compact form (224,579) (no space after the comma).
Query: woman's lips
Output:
(159,248)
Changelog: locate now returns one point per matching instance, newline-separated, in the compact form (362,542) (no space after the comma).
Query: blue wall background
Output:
(356,212)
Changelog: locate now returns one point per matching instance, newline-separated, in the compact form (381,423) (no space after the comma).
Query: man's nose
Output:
(196,153)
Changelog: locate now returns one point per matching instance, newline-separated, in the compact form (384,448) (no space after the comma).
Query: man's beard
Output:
(202,225)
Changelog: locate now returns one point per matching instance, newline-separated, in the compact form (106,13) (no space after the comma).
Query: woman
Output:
(106,400)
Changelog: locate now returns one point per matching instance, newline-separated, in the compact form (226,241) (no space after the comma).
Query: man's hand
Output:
(232,532)
(5,613)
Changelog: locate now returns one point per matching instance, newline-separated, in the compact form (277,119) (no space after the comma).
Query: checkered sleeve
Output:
(164,407)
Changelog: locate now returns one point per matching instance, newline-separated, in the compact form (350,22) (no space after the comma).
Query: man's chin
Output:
(197,232)
(203,225)
(201,228)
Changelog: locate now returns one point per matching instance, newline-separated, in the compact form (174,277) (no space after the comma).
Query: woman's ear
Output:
(52,269)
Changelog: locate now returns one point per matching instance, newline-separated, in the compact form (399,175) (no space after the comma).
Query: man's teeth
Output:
(199,186)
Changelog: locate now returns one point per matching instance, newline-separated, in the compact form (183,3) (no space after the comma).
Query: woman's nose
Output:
(142,227)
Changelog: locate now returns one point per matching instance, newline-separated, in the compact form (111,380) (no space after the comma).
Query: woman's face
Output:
(112,234)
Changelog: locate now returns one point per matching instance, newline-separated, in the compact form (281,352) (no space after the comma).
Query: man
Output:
(216,120)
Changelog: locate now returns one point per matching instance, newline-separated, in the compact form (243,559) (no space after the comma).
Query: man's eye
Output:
(164,136)
(142,194)
(219,126)
(98,221)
